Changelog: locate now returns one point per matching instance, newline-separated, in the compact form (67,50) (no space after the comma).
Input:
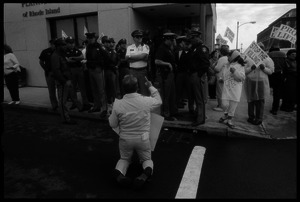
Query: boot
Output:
(121,179)
(140,180)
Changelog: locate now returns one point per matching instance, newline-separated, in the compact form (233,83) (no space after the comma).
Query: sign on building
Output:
(229,34)
(255,53)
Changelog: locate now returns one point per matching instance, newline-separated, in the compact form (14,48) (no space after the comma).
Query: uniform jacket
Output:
(60,68)
(199,60)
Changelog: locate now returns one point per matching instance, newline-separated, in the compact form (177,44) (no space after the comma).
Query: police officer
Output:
(137,56)
(94,63)
(123,65)
(166,62)
(199,66)
(62,75)
(45,62)
(74,57)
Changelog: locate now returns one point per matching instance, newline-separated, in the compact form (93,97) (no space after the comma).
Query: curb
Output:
(218,131)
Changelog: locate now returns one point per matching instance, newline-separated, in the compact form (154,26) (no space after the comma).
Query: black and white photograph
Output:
(149,100)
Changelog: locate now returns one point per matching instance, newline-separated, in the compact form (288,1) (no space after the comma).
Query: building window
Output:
(74,26)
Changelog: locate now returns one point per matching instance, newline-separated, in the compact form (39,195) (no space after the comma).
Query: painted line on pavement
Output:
(190,179)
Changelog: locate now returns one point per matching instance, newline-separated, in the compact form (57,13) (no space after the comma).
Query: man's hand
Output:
(148,83)
(253,67)
(83,61)
(262,66)
(232,70)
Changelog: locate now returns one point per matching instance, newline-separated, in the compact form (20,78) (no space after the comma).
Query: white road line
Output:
(190,179)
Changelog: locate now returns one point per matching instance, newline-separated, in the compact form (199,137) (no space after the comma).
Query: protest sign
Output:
(156,122)
(229,34)
(285,32)
(255,53)
(273,32)
(221,40)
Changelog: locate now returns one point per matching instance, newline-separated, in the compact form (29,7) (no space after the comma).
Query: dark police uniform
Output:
(62,74)
(199,66)
(77,76)
(94,57)
(45,61)
(169,106)
(123,67)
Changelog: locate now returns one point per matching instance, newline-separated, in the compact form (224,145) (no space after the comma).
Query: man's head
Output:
(111,43)
(169,38)
(137,36)
(291,54)
(91,37)
(224,50)
(60,44)
(183,42)
(70,42)
(195,36)
(130,84)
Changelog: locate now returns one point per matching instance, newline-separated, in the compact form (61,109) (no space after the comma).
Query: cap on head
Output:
(105,39)
(137,33)
(122,41)
(111,40)
(90,35)
(169,35)
(195,32)
(70,40)
(60,42)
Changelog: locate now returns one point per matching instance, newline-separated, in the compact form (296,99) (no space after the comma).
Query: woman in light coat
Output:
(233,77)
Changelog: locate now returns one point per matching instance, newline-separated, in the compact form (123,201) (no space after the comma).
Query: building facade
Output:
(28,27)
(289,19)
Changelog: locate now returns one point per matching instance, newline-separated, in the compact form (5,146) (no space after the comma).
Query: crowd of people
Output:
(188,73)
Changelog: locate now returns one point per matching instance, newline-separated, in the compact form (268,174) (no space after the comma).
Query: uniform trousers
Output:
(110,85)
(198,89)
(181,86)
(98,85)
(140,75)
(78,80)
(12,83)
(169,105)
(63,91)
(51,89)
(127,147)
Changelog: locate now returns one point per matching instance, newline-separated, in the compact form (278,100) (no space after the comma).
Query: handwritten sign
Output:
(221,40)
(229,34)
(255,53)
(284,32)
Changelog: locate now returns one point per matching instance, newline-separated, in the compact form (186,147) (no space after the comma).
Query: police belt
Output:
(138,69)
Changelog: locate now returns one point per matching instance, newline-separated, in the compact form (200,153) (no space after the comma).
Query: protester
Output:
(166,63)
(62,75)
(132,116)
(11,69)
(257,87)
(95,54)
(199,66)
(289,99)
(74,57)
(123,66)
(233,77)
(222,63)
(45,62)
(137,56)
(276,79)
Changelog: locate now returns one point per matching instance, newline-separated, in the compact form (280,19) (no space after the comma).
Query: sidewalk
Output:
(281,126)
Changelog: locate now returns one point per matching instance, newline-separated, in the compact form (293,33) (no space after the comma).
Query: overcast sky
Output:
(264,14)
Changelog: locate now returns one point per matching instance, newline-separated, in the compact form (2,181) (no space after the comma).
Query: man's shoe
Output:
(17,102)
(123,180)
(70,122)
(12,102)
(92,110)
(251,120)
(273,112)
(140,181)
(230,124)
(257,122)
(197,123)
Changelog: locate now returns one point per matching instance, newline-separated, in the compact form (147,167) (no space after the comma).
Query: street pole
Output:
(237,34)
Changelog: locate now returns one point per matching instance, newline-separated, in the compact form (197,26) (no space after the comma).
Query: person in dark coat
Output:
(199,66)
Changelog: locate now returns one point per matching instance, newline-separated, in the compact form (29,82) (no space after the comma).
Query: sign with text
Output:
(284,32)
(229,34)
(255,53)
(221,40)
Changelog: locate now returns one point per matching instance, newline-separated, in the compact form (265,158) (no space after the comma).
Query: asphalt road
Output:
(45,159)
